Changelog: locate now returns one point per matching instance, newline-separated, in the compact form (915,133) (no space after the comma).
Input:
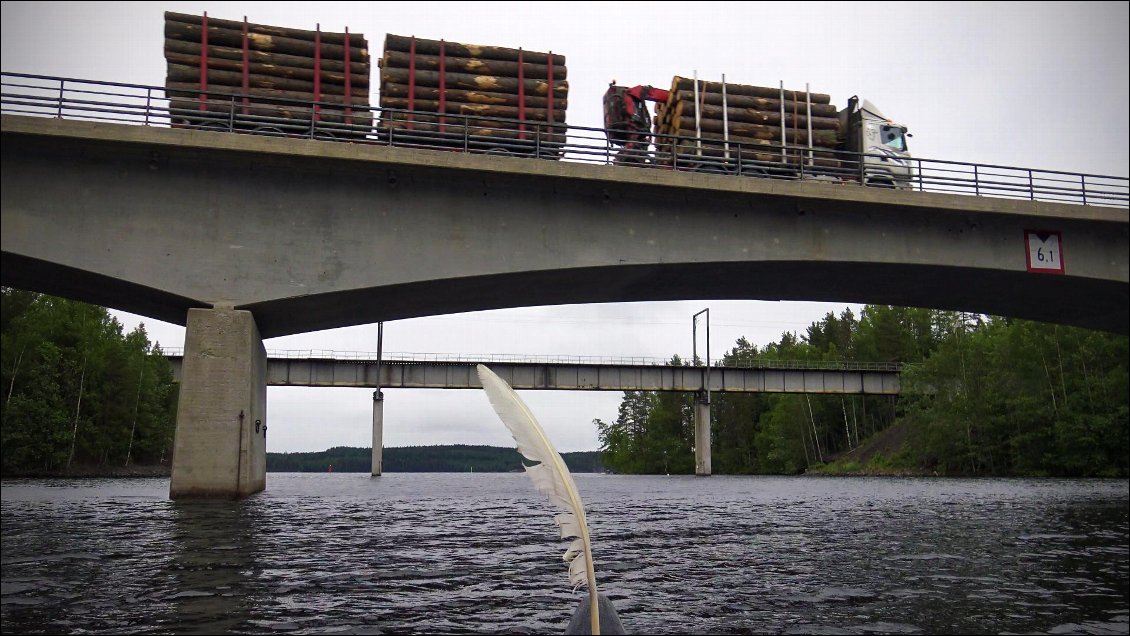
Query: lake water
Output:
(478,553)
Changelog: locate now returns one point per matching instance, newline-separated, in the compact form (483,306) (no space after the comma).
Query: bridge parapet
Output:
(90,100)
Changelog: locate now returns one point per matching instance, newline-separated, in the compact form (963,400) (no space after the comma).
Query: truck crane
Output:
(628,122)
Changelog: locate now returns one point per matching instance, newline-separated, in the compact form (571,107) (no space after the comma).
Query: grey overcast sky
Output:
(1030,84)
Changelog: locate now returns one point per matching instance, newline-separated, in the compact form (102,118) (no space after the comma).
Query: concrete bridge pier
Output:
(220,449)
(378,432)
(702,434)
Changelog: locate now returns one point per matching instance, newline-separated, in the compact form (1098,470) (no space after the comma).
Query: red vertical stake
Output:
(246,63)
(348,87)
(442,86)
(549,110)
(204,62)
(521,96)
(317,69)
(411,80)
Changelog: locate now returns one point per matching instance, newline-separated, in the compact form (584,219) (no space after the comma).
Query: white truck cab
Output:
(882,142)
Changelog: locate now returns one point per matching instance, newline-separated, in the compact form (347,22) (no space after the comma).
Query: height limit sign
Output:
(1044,251)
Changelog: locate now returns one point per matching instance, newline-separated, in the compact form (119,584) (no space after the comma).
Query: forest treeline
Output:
(980,396)
(452,458)
(82,397)
(78,392)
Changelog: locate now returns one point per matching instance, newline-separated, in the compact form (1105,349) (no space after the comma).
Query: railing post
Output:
(1031,187)
(148,104)
(59,110)
(976,181)
(1083,183)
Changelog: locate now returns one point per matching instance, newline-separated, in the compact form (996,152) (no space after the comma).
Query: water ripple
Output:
(347,554)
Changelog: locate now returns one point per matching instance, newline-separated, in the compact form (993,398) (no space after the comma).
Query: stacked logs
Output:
(441,91)
(264,76)
(751,121)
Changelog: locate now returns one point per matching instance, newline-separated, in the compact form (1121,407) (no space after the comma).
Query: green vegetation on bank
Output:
(79,395)
(981,396)
(457,458)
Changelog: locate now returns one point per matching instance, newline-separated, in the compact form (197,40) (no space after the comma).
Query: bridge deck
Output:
(574,377)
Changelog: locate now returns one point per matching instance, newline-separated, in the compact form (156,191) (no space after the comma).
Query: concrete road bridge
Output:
(241,237)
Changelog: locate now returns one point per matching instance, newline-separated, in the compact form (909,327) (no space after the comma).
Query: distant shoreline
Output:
(150,472)
(93,472)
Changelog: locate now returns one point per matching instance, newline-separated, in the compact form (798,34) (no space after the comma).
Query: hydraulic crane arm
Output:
(627,120)
(625,111)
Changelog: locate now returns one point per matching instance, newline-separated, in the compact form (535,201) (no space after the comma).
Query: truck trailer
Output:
(490,99)
(243,76)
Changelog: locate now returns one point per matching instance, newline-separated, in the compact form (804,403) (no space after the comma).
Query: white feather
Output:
(551,478)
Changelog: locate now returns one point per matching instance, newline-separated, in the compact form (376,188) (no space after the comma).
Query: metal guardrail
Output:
(67,98)
(508,358)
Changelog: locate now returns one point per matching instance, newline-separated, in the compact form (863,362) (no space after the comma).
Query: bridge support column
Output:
(378,432)
(702,435)
(220,449)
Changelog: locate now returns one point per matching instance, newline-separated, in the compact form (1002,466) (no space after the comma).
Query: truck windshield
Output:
(892,137)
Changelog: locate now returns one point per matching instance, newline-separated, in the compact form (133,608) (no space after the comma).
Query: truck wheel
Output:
(271,131)
(215,126)
(709,168)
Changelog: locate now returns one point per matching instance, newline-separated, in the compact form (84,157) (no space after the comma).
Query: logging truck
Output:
(242,76)
(756,131)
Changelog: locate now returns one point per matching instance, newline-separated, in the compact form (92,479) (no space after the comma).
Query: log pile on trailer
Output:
(262,77)
(449,94)
(753,119)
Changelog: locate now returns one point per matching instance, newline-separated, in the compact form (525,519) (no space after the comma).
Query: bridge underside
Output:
(1088,303)
(1091,303)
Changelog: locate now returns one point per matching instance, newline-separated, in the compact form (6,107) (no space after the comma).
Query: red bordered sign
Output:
(1043,250)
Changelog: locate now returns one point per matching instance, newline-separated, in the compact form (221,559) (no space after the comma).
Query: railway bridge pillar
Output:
(378,432)
(702,434)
